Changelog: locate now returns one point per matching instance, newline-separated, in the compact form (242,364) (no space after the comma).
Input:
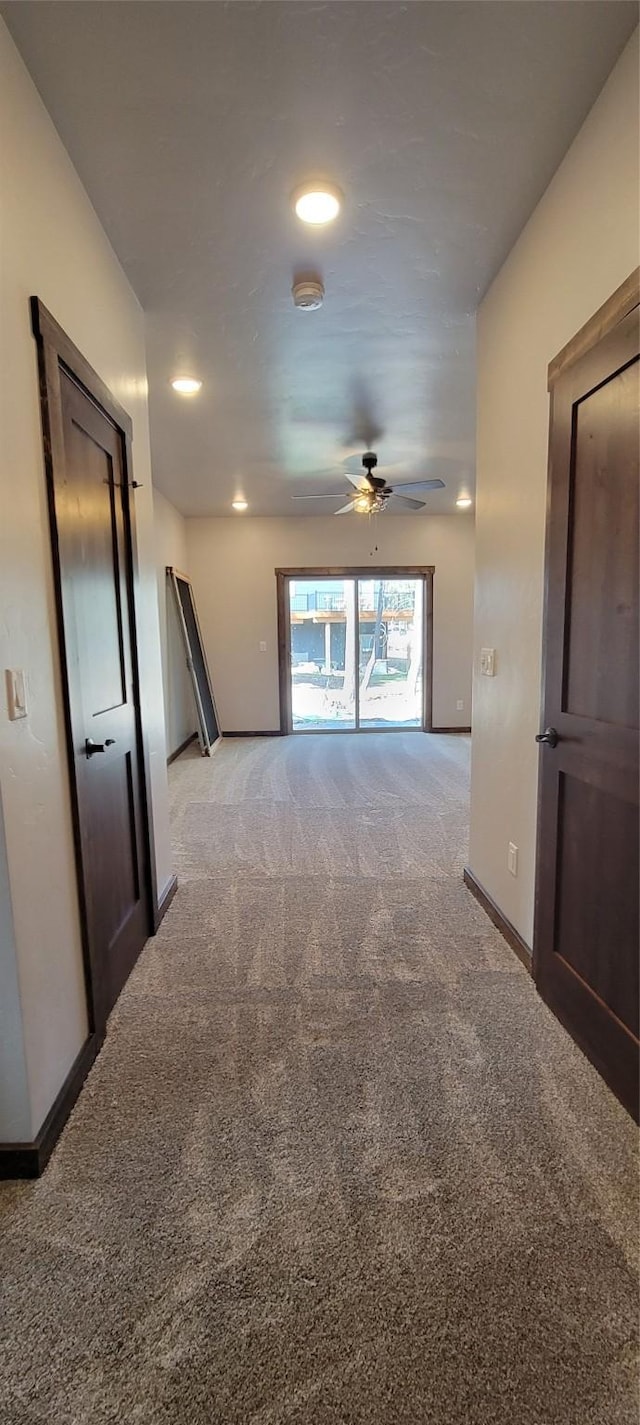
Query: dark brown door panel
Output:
(586,947)
(94,561)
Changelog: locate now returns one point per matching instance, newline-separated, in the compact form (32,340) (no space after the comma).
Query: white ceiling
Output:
(191,123)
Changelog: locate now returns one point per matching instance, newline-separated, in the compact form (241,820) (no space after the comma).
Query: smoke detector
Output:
(308,294)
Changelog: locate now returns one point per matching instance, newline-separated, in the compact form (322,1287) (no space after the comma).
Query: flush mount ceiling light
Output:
(317,203)
(186,385)
(463,502)
(240,504)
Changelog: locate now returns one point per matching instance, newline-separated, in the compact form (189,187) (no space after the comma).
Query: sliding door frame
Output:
(424,572)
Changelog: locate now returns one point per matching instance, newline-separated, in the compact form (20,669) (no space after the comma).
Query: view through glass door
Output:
(356,653)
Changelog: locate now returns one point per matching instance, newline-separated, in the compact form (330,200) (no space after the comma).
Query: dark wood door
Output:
(94,552)
(586,937)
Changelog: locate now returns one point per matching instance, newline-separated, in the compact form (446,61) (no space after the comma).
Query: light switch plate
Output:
(488,662)
(16,693)
(263,646)
(512,859)
(459,705)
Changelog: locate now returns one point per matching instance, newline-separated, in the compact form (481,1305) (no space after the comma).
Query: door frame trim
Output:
(56,350)
(376,571)
(618,306)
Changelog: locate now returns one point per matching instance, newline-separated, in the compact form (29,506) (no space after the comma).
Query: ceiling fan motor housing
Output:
(370,460)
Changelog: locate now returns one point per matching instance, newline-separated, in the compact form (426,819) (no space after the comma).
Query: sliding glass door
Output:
(322,624)
(356,652)
(391,644)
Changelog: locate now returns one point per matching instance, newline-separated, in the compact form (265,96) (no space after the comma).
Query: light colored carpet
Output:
(336,1163)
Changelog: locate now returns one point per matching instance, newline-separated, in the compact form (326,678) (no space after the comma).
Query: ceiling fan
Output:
(372,493)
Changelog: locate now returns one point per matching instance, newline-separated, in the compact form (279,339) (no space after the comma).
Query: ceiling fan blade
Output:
(419,485)
(345,509)
(404,500)
(360,481)
(337,496)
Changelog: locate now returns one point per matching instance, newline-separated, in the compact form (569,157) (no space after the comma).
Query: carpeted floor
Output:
(336,1163)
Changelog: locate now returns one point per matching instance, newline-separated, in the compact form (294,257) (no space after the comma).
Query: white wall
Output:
(52,245)
(578,247)
(232,563)
(180,718)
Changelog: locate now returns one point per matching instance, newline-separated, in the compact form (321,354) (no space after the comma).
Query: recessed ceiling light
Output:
(186,385)
(463,502)
(317,203)
(240,504)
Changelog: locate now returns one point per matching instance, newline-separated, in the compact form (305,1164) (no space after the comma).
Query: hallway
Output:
(336,1162)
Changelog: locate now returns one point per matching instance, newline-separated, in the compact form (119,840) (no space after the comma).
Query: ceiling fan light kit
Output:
(371,493)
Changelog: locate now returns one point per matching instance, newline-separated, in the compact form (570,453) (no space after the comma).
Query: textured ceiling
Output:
(190,124)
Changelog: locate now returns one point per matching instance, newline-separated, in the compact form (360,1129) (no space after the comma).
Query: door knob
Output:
(549,736)
(92,747)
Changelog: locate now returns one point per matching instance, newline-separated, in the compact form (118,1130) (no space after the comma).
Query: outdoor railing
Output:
(317,603)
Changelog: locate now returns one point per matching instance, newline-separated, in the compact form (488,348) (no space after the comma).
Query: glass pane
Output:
(390,625)
(322,616)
